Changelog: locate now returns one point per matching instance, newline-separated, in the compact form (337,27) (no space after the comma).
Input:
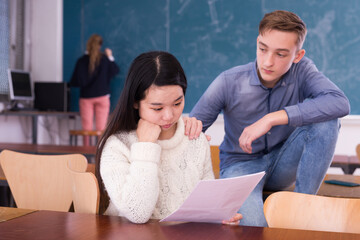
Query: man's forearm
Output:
(277,118)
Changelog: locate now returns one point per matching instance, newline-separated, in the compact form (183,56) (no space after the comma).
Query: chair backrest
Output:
(85,191)
(312,212)
(215,158)
(91,168)
(40,182)
(2,175)
(358,151)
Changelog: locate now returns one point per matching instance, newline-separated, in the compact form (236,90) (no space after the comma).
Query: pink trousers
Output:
(98,106)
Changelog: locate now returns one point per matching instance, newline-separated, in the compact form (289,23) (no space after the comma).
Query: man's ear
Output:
(299,55)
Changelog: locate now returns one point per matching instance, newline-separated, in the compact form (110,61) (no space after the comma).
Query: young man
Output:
(280,115)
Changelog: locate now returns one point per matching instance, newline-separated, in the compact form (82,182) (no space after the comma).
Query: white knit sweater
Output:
(151,180)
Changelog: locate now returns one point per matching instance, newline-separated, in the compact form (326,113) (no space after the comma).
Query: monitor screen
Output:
(20,85)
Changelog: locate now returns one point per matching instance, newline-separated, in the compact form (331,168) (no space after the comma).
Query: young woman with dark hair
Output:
(145,165)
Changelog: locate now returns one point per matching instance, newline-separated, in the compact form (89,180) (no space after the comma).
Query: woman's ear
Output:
(299,55)
(136,105)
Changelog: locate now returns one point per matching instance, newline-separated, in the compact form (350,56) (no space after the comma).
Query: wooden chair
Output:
(85,191)
(93,135)
(41,182)
(215,158)
(311,212)
(358,151)
(91,168)
(2,175)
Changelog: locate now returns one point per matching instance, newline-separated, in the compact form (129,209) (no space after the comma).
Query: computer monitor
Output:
(52,96)
(20,85)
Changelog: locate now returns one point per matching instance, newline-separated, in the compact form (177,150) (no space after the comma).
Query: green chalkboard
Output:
(211,36)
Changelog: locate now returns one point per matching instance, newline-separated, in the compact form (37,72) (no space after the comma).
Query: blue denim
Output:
(303,158)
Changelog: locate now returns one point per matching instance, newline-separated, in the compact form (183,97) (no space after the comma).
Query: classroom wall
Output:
(43,58)
(46,40)
(211,36)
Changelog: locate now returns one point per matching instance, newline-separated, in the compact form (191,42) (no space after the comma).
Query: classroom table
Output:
(88,151)
(65,225)
(347,163)
(331,190)
(34,117)
(7,213)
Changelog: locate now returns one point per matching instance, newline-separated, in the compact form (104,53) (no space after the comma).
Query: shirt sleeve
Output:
(130,177)
(211,102)
(324,101)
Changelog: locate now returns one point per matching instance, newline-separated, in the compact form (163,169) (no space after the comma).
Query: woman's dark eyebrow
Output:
(159,104)
(179,98)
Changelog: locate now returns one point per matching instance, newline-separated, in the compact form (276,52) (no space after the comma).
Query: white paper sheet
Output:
(216,200)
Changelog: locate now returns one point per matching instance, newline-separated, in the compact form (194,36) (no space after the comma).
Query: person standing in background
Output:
(92,74)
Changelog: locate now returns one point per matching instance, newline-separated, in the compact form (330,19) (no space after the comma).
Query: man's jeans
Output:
(305,157)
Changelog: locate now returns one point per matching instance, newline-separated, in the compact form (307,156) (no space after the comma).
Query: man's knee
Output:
(328,125)
(325,130)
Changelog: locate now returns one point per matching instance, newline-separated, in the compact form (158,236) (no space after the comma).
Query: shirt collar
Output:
(255,79)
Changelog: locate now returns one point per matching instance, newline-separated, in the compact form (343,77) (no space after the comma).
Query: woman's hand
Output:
(234,220)
(147,131)
(108,52)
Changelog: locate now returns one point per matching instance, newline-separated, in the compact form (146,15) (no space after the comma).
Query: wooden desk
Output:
(347,163)
(35,114)
(331,190)
(10,213)
(48,149)
(60,225)
(66,149)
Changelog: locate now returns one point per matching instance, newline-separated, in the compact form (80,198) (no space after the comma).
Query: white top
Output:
(151,180)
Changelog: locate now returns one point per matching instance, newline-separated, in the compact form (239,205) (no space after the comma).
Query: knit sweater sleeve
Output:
(208,172)
(130,177)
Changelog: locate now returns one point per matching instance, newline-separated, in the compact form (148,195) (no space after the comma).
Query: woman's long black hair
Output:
(151,68)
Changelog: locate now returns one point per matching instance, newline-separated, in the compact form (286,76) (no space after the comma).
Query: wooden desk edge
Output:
(7,213)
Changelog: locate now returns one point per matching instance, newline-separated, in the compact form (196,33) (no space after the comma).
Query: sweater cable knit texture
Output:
(151,180)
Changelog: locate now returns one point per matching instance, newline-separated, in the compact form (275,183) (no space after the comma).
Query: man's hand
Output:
(260,128)
(253,132)
(193,127)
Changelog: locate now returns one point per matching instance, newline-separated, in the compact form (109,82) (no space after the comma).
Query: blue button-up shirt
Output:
(239,94)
